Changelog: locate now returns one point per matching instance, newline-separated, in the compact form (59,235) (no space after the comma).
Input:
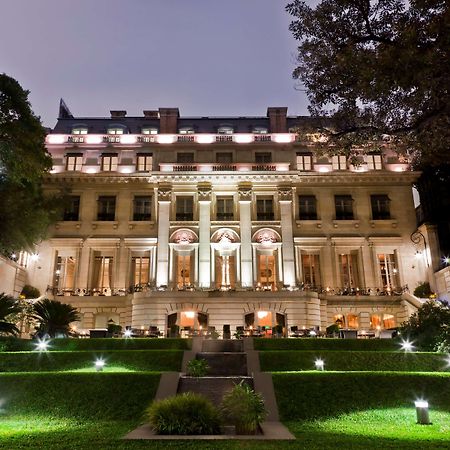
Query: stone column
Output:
(122,266)
(204,235)
(285,200)
(83,265)
(245,222)
(162,262)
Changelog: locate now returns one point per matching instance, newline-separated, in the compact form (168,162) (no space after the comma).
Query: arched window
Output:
(260,130)
(186,130)
(225,129)
(117,129)
(149,130)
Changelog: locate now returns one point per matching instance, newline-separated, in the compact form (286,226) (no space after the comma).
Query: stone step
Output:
(225,364)
(222,345)
(213,388)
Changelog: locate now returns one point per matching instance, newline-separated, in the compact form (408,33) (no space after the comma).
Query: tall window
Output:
(380,207)
(185,208)
(349,270)
(267,272)
(109,162)
(185,158)
(307,207)
(388,270)
(142,207)
(264,209)
(183,271)
(374,161)
(65,272)
(344,207)
(304,161)
(225,208)
(144,162)
(263,157)
(72,209)
(74,162)
(140,266)
(102,277)
(310,270)
(106,208)
(224,158)
(339,162)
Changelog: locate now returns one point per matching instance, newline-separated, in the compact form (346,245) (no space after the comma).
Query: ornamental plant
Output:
(243,408)
(197,368)
(184,414)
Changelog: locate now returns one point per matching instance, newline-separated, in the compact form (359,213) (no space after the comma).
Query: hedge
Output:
(327,344)
(322,394)
(285,360)
(144,360)
(82,396)
(17,345)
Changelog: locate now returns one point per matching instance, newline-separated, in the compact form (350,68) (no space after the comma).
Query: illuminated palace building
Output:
(203,222)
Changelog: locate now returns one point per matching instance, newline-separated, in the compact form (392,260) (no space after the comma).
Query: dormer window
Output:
(149,130)
(79,130)
(260,130)
(225,129)
(116,129)
(186,130)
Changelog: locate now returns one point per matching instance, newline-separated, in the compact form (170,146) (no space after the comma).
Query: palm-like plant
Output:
(8,307)
(54,317)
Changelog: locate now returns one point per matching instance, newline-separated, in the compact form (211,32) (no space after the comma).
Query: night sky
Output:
(207,57)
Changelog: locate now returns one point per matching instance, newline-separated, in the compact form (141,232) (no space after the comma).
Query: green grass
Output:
(327,344)
(146,360)
(287,360)
(18,345)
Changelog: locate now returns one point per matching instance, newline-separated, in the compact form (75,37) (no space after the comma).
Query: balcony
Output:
(224,167)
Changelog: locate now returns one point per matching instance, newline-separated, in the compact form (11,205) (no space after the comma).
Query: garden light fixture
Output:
(127,334)
(423,417)
(407,346)
(99,364)
(320,364)
(42,345)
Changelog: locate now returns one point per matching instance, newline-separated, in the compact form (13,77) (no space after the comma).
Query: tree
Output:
(25,212)
(429,327)
(8,308)
(378,68)
(53,317)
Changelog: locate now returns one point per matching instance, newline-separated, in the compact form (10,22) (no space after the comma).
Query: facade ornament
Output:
(164,192)
(285,193)
(266,237)
(204,191)
(184,237)
(245,191)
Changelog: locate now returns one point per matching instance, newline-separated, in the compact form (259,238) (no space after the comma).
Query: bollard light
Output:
(423,417)
(99,364)
(407,346)
(320,364)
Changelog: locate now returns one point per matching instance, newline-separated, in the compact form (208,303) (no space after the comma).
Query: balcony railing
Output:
(223,167)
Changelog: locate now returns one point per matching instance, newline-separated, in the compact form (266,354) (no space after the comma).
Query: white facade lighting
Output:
(324,169)
(312,333)
(128,139)
(91,170)
(282,138)
(34,257)
(99,364)
(423,417)
(126,170)
(166,138)
(190,314)
(262,314)
(320,364)
(205,138)
(243,138)
(56,138)
(94,139)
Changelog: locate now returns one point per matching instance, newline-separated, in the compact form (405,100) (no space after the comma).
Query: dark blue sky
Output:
(207,57)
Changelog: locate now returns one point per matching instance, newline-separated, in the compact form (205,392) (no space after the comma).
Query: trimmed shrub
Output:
(67,344)
(144,360)
(423,290)
(29,291)
(327,344)
(315,395)
(243,408)
(185,414)
(197,367)
(289,360)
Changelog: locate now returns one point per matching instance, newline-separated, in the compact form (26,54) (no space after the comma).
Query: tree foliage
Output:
(378,68)
(429,327)
(25,212)
(54,317)
(8,309)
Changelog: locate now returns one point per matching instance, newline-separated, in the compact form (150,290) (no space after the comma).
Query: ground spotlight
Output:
(99,364)
(127,333)
(42,345)
(423,417)
(320,364)
(407,346)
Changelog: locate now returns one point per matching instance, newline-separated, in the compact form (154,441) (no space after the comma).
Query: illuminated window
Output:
(110,162)
(225,129)
(388,270)
(144,162)
(102,277)
(339,320)
(310,270)
(307,207)
(349,270)
(184,208)
(149,130)
(375,321)
(142,207)
(140,266)
(79,130)
(106,208)
(65,272)
(374,161)
(304,162)
(186,130)
(184,271)
(339,162)
(116,130)
(267,272)
(74,162)
(389,321)
(352,321)
(380,207)
(72,209)
(260,130)
(344,207)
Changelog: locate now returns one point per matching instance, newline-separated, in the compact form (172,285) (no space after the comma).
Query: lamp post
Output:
(416,237)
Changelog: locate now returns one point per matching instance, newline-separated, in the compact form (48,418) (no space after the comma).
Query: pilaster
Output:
(245,222)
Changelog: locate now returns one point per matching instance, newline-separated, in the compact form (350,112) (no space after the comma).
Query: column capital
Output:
(285,193)
(204,192)
(164,192)
(245,192)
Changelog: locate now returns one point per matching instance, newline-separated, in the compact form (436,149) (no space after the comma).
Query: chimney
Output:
(277,119)
(116,114)
(168,120)
(151,114)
